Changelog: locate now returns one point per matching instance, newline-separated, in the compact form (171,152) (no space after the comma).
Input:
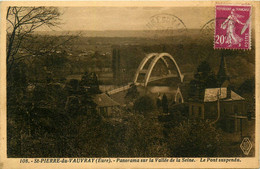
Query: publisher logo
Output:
(246,145)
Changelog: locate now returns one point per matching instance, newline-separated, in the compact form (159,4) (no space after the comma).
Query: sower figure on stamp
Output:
(229,24)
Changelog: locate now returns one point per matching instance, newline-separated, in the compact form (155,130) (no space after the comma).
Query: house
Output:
(221,105)
(106,106)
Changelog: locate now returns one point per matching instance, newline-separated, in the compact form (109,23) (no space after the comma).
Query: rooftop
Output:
(211,95)
(103,100)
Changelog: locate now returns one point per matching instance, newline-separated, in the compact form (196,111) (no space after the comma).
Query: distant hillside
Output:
(122,33)
(188,49)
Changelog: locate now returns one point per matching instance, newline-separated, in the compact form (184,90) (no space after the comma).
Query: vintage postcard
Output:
(129,84)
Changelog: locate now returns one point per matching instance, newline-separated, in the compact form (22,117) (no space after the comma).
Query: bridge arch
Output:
(156,57)
(142,64)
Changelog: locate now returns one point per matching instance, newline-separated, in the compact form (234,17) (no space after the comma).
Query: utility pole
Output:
(218,106)
(241,133)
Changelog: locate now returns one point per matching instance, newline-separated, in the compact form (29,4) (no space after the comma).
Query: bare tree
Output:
(22,21)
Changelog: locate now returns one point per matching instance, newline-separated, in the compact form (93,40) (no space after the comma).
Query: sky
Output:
(129,18)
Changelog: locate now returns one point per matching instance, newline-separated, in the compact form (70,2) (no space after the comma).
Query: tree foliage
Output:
(203,78)
(144,137)
(248,86)
(21,22)
(132,93)
(80,94)
(144,105)
(195,139)
(165,104)
(90,81)
(247,90)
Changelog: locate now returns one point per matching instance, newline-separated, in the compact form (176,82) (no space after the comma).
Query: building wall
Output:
(196,110)
(108,111)
(233,107)
(228,109)
(211,110)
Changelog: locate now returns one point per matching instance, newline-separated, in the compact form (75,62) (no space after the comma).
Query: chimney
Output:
(228,92)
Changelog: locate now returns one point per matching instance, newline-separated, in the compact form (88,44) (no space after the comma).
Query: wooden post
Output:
(241,126)
(235,122)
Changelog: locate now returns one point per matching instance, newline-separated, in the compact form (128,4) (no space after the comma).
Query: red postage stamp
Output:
(232,27)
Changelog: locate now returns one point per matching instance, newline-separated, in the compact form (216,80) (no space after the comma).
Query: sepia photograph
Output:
(130,81)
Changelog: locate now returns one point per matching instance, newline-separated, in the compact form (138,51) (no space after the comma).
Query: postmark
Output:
(206,35)
(235,31)
(207,30)
(165,25)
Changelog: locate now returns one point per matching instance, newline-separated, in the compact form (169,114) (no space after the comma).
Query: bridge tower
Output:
(116,66)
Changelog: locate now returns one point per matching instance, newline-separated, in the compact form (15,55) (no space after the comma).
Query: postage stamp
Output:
(235,31)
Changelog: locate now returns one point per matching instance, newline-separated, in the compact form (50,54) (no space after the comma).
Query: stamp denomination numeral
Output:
(220,39)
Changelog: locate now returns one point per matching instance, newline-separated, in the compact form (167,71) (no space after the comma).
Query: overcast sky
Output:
(128,18)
